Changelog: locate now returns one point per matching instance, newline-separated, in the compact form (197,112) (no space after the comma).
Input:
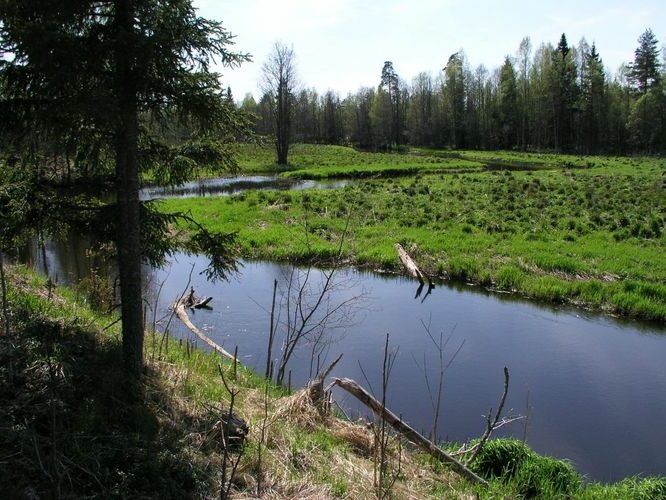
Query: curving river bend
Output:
(594,387)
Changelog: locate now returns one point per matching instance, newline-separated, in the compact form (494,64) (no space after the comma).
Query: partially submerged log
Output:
(425,444)
(179,308)
(412,268)
(409,264)
(202,303)
(194,302)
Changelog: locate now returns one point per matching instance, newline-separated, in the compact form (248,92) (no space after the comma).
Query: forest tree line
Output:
(549,98)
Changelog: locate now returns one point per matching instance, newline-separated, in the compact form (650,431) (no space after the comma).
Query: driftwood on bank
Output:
(179,308)
(414,271)
(412,435)
(316,387)
(230,429)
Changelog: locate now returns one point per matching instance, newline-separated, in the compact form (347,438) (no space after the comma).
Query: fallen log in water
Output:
(409,263)
(411,266)
(179,308)
(194,302)
(425,444)
(202,303)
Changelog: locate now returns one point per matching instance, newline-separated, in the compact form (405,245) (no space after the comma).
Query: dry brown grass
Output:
(301,467)
(307,454)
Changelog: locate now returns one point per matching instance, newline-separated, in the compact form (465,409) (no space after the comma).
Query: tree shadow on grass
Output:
(73,425)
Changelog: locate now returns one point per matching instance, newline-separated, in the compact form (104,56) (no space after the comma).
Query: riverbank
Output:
(75,426)
(592,237)
(315,161)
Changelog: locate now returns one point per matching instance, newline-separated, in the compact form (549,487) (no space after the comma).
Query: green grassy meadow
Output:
(590,236)
(326,161)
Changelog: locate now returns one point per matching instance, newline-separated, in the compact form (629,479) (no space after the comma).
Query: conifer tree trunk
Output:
(127,186)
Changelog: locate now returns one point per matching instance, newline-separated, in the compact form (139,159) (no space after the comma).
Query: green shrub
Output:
(501,458)
(528,474)
(545,477)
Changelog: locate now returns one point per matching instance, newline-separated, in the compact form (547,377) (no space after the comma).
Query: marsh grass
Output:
(592,237)
(326,161)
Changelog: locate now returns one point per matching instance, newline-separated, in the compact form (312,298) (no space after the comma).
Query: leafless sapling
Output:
(229,463)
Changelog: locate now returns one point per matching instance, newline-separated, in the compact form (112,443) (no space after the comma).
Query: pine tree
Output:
(390,83)
(644,71)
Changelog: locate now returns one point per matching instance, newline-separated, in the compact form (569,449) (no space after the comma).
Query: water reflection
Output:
(223,186)
(597,388)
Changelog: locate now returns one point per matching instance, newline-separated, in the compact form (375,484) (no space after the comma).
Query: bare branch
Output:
(491,426)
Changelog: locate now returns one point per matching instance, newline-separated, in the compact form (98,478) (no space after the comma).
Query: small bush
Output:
(530,475)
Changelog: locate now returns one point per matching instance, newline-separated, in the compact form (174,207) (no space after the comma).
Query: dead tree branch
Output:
(493,423)
(316,387)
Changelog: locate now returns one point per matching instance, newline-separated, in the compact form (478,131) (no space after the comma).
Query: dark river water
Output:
(594,387)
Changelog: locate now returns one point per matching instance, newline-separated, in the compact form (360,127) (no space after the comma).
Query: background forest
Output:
(559,98)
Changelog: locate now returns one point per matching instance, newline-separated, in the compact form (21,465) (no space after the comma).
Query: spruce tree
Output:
(94,80)
(593,99)
(565,93)
(508,104)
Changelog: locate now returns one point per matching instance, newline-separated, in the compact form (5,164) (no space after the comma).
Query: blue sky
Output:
(342,44)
